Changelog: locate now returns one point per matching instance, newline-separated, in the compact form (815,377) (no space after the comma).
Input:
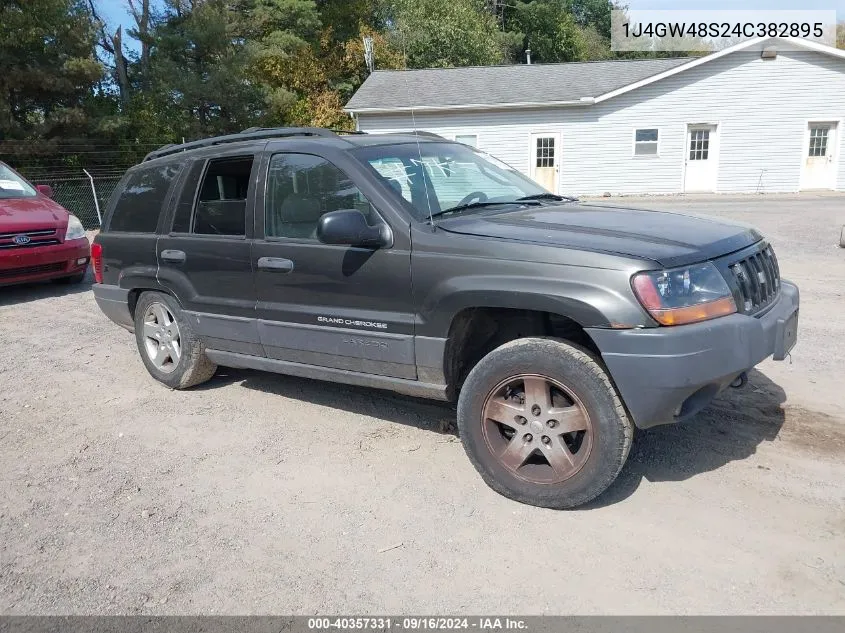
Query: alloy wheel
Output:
(537,428)
(162,340)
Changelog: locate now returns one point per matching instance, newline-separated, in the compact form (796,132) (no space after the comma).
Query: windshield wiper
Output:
(549,196)
(478,205)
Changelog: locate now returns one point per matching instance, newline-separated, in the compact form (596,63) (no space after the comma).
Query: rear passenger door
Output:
(129,235)
(333,306)
(205,258)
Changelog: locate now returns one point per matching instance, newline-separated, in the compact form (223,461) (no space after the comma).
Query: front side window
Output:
(645,142)
(142,198)
(301,188)
(221,204)
(13,186)
(435,177)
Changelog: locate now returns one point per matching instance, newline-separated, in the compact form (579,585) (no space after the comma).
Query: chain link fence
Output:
(83,198)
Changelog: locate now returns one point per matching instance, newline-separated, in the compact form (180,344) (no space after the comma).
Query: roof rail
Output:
(419,133)
(249,134)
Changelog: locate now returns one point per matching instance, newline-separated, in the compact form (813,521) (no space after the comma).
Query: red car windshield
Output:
(13,186)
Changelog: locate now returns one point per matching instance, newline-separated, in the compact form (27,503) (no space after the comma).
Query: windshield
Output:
(13,186)
(437,177)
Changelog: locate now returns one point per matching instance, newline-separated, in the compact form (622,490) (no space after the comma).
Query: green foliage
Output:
(47,67)
(445,33)
(549,29)
(193,68)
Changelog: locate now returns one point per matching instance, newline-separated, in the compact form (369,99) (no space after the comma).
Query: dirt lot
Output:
(265,494)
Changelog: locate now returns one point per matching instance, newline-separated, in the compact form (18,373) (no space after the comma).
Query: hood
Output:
(26,214)
(670,239)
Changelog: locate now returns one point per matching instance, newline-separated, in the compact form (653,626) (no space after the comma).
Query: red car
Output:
(39,239)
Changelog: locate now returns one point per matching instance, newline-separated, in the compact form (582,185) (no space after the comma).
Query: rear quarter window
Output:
(142,198)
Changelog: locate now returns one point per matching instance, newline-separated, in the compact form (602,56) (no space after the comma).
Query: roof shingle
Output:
(502,85)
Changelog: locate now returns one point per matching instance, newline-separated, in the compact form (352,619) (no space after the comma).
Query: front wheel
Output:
(171,351)
(542,423)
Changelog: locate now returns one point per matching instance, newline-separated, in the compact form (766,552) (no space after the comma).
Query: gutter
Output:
(583,101)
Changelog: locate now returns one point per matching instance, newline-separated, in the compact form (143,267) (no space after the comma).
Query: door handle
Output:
(173,257)
(275,264)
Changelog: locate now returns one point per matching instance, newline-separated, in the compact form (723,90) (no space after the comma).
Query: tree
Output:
(549,30)
(198,63)
(840,35)
(445,33)
(47,67)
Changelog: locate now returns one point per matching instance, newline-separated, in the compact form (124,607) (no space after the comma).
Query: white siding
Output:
(761,106)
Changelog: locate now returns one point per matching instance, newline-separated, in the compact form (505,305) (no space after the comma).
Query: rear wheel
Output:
(170,350)
(542,423)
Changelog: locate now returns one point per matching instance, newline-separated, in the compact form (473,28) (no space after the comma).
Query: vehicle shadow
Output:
(429,415)
(24,293)
(729,429)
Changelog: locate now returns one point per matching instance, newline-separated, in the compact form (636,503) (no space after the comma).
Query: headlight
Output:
(684,295)
(75,230)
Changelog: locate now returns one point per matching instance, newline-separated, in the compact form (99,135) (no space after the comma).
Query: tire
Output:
(186,364)
(78,278)
(581,395)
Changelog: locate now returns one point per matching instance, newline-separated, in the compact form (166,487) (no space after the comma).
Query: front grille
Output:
(32,270)
(9,246)
(758,280)
(37,237)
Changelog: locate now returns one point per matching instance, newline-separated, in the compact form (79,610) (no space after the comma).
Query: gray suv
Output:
(411,263)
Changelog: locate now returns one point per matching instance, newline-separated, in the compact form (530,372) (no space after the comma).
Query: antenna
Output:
(416,135)
(369,54)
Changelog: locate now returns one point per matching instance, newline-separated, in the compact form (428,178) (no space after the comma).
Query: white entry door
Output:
(818,170)
(702,158)
(545,160)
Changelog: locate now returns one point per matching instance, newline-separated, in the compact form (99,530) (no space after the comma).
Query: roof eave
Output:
(471,106)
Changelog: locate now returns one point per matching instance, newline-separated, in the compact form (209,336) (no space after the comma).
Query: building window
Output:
(818,141)
(699,144)
(546,151)
(467,139)
(645,142)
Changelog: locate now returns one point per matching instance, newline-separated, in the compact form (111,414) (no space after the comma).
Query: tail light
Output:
(97,260)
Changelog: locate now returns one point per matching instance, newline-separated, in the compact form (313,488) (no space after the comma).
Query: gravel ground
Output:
(267,494)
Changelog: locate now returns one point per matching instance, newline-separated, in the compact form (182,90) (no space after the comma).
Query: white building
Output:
(762,116)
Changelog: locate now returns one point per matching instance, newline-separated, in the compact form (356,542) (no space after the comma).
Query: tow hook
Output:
(740,381)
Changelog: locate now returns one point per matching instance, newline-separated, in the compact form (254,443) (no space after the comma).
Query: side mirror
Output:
(45,190)
(349,226)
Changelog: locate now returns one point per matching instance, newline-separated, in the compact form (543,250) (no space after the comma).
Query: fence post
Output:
(94,192)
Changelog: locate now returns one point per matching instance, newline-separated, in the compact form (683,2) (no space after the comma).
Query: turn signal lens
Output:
(684,295)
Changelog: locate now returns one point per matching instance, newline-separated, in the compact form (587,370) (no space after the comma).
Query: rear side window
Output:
(142,199)
(221,204)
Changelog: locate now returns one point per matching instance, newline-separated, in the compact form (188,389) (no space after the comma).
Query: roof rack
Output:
(249,134)
(418,133)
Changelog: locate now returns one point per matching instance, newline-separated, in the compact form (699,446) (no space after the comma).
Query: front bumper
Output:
(664,374)
(44,262)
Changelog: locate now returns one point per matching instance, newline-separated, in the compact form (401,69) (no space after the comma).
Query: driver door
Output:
(332,306)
